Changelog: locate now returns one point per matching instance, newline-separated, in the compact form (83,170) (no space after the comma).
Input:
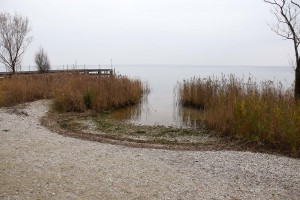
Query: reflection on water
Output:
(132,113)
(141,114)
(190,117)
(161,107)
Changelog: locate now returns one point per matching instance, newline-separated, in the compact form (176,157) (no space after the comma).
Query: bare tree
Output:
(288,27)
(42,61)
(14,39)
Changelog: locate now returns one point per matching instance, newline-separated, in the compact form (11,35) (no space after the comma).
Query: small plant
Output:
(88,99)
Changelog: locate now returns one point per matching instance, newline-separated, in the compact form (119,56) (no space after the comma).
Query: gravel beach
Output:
(36,163)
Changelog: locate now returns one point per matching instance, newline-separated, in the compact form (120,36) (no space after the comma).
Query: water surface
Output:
(160,107)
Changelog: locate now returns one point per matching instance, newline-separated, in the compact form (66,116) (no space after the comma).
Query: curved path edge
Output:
(36,163)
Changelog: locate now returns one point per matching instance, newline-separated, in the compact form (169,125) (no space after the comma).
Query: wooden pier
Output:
(105,72)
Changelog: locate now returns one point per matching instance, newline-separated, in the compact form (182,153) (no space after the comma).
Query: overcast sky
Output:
(204,32)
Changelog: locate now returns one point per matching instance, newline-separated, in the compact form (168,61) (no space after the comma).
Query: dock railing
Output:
(105,71)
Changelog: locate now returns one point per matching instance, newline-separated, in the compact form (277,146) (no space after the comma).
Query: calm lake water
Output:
(160,107)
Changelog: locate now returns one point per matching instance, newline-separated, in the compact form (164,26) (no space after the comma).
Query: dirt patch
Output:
(17,110)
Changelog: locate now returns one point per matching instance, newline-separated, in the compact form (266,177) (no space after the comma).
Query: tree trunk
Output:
(13,67)
(297,81)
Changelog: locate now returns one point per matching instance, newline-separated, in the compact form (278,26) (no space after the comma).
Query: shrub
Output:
(88,97)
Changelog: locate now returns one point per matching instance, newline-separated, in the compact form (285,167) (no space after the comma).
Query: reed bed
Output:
(264,112)
(23,88)
(72,92)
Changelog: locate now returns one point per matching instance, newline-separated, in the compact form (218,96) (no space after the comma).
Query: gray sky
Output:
(220,32)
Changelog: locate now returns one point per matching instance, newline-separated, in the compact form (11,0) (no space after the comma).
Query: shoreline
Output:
(141,136)
(39,163)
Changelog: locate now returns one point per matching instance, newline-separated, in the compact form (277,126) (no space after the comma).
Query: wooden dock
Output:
(105,72)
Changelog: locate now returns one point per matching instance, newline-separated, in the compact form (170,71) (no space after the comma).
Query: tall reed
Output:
(264,112)
(78,92)
(72,92)
(24,88)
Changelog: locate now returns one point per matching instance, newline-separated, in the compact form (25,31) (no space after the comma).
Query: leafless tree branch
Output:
(296,4)
(287,27)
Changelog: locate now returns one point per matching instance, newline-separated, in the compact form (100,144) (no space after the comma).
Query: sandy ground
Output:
(36,163)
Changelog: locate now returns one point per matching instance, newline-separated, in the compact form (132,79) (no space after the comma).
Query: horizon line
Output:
(241,65)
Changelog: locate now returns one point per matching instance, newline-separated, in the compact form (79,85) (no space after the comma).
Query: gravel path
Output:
(36,163)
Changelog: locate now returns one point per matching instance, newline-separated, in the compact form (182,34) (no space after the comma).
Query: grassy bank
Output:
(71,92)
(264,112)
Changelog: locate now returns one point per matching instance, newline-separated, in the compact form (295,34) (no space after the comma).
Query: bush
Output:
(88,97)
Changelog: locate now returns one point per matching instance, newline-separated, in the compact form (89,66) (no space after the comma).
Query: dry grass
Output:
(22,88)
(72,92)
(264,112)
(80,92)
